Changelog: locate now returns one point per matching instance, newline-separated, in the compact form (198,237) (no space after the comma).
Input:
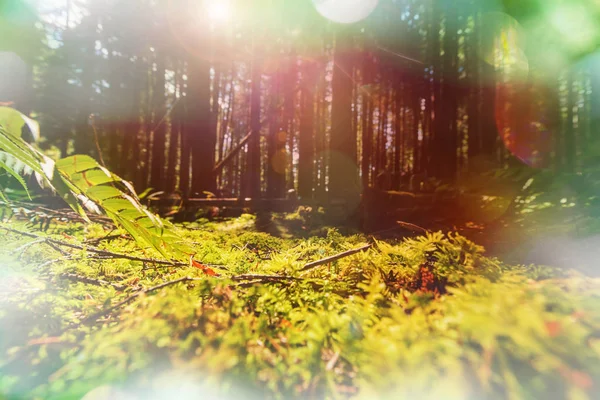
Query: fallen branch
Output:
(412,227)
(251,277)
(67,213)
(327,260)
(100,252)
(92,281)
(236,149)
(96,241)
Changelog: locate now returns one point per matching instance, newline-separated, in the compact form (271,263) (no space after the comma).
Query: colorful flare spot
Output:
(279,161)
(522,123)
(219,10)
(345,11)
(281,137)
(508,38)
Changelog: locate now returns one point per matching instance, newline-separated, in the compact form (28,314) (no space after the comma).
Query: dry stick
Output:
(108,237)
(236,149)
(327,260)
(64,213)
(92,281)
(412,227)
(250,277)
(95,250)
(146,260)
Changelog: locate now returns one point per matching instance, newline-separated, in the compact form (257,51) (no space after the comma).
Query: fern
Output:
(82,182)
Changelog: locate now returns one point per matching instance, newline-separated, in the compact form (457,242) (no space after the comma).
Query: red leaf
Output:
(553,328)
(285,323)
(204,268)
(577,378)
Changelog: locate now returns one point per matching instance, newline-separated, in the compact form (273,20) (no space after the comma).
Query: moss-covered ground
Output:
(416,318)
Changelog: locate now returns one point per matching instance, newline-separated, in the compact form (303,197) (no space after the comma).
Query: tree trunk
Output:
(253,160)
(367,123)
(157,169)
(343,173)
(202,135)
(306,143)
(570,147)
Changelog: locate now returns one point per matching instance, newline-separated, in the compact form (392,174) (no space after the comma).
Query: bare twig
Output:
(61,213)
(100,252)
(95,241)
(21,249)
(412,227)
(271,278)
(327,260)
(50,262)
(92,281)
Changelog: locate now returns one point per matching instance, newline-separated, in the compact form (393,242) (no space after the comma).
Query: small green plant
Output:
(84,184)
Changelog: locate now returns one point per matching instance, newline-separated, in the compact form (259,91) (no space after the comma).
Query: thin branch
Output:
(272,278)
(107,238)
(100,252)
(236,149)
(412,227)
(50,262)
(92,281)
(327,260)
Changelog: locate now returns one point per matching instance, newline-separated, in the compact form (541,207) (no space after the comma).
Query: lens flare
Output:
(575,25)
(522,123)
(219,10)
(279,161)
(506,52)
(345,11)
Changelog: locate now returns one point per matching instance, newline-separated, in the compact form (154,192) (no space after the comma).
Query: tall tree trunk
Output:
(253,160)
(289,97)
(144,142)
(177,117)
(489,129)
(343,173)
(474,82)
(416,118)
(157,169)
(570,147)
(202,134)
(367,122)
(276,154)
(306,139)
(436,145)
(448,123)
(131,127)
(398,131)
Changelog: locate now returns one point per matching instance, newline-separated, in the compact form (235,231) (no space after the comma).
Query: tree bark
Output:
(343,173)
(306,140)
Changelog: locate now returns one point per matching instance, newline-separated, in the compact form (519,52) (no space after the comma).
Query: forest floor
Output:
(409,315)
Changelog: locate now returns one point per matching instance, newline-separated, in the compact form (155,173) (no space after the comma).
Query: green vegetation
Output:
(81,182)
(485,112)
(426,317)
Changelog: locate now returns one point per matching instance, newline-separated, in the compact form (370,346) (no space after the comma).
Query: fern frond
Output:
(82,182)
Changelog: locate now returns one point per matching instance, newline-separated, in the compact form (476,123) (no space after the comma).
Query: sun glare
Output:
(345,11)
(219,10)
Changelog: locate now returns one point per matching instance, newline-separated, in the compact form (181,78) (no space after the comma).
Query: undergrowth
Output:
(426,317)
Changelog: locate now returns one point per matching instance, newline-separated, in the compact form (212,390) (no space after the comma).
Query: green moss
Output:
(362,327)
